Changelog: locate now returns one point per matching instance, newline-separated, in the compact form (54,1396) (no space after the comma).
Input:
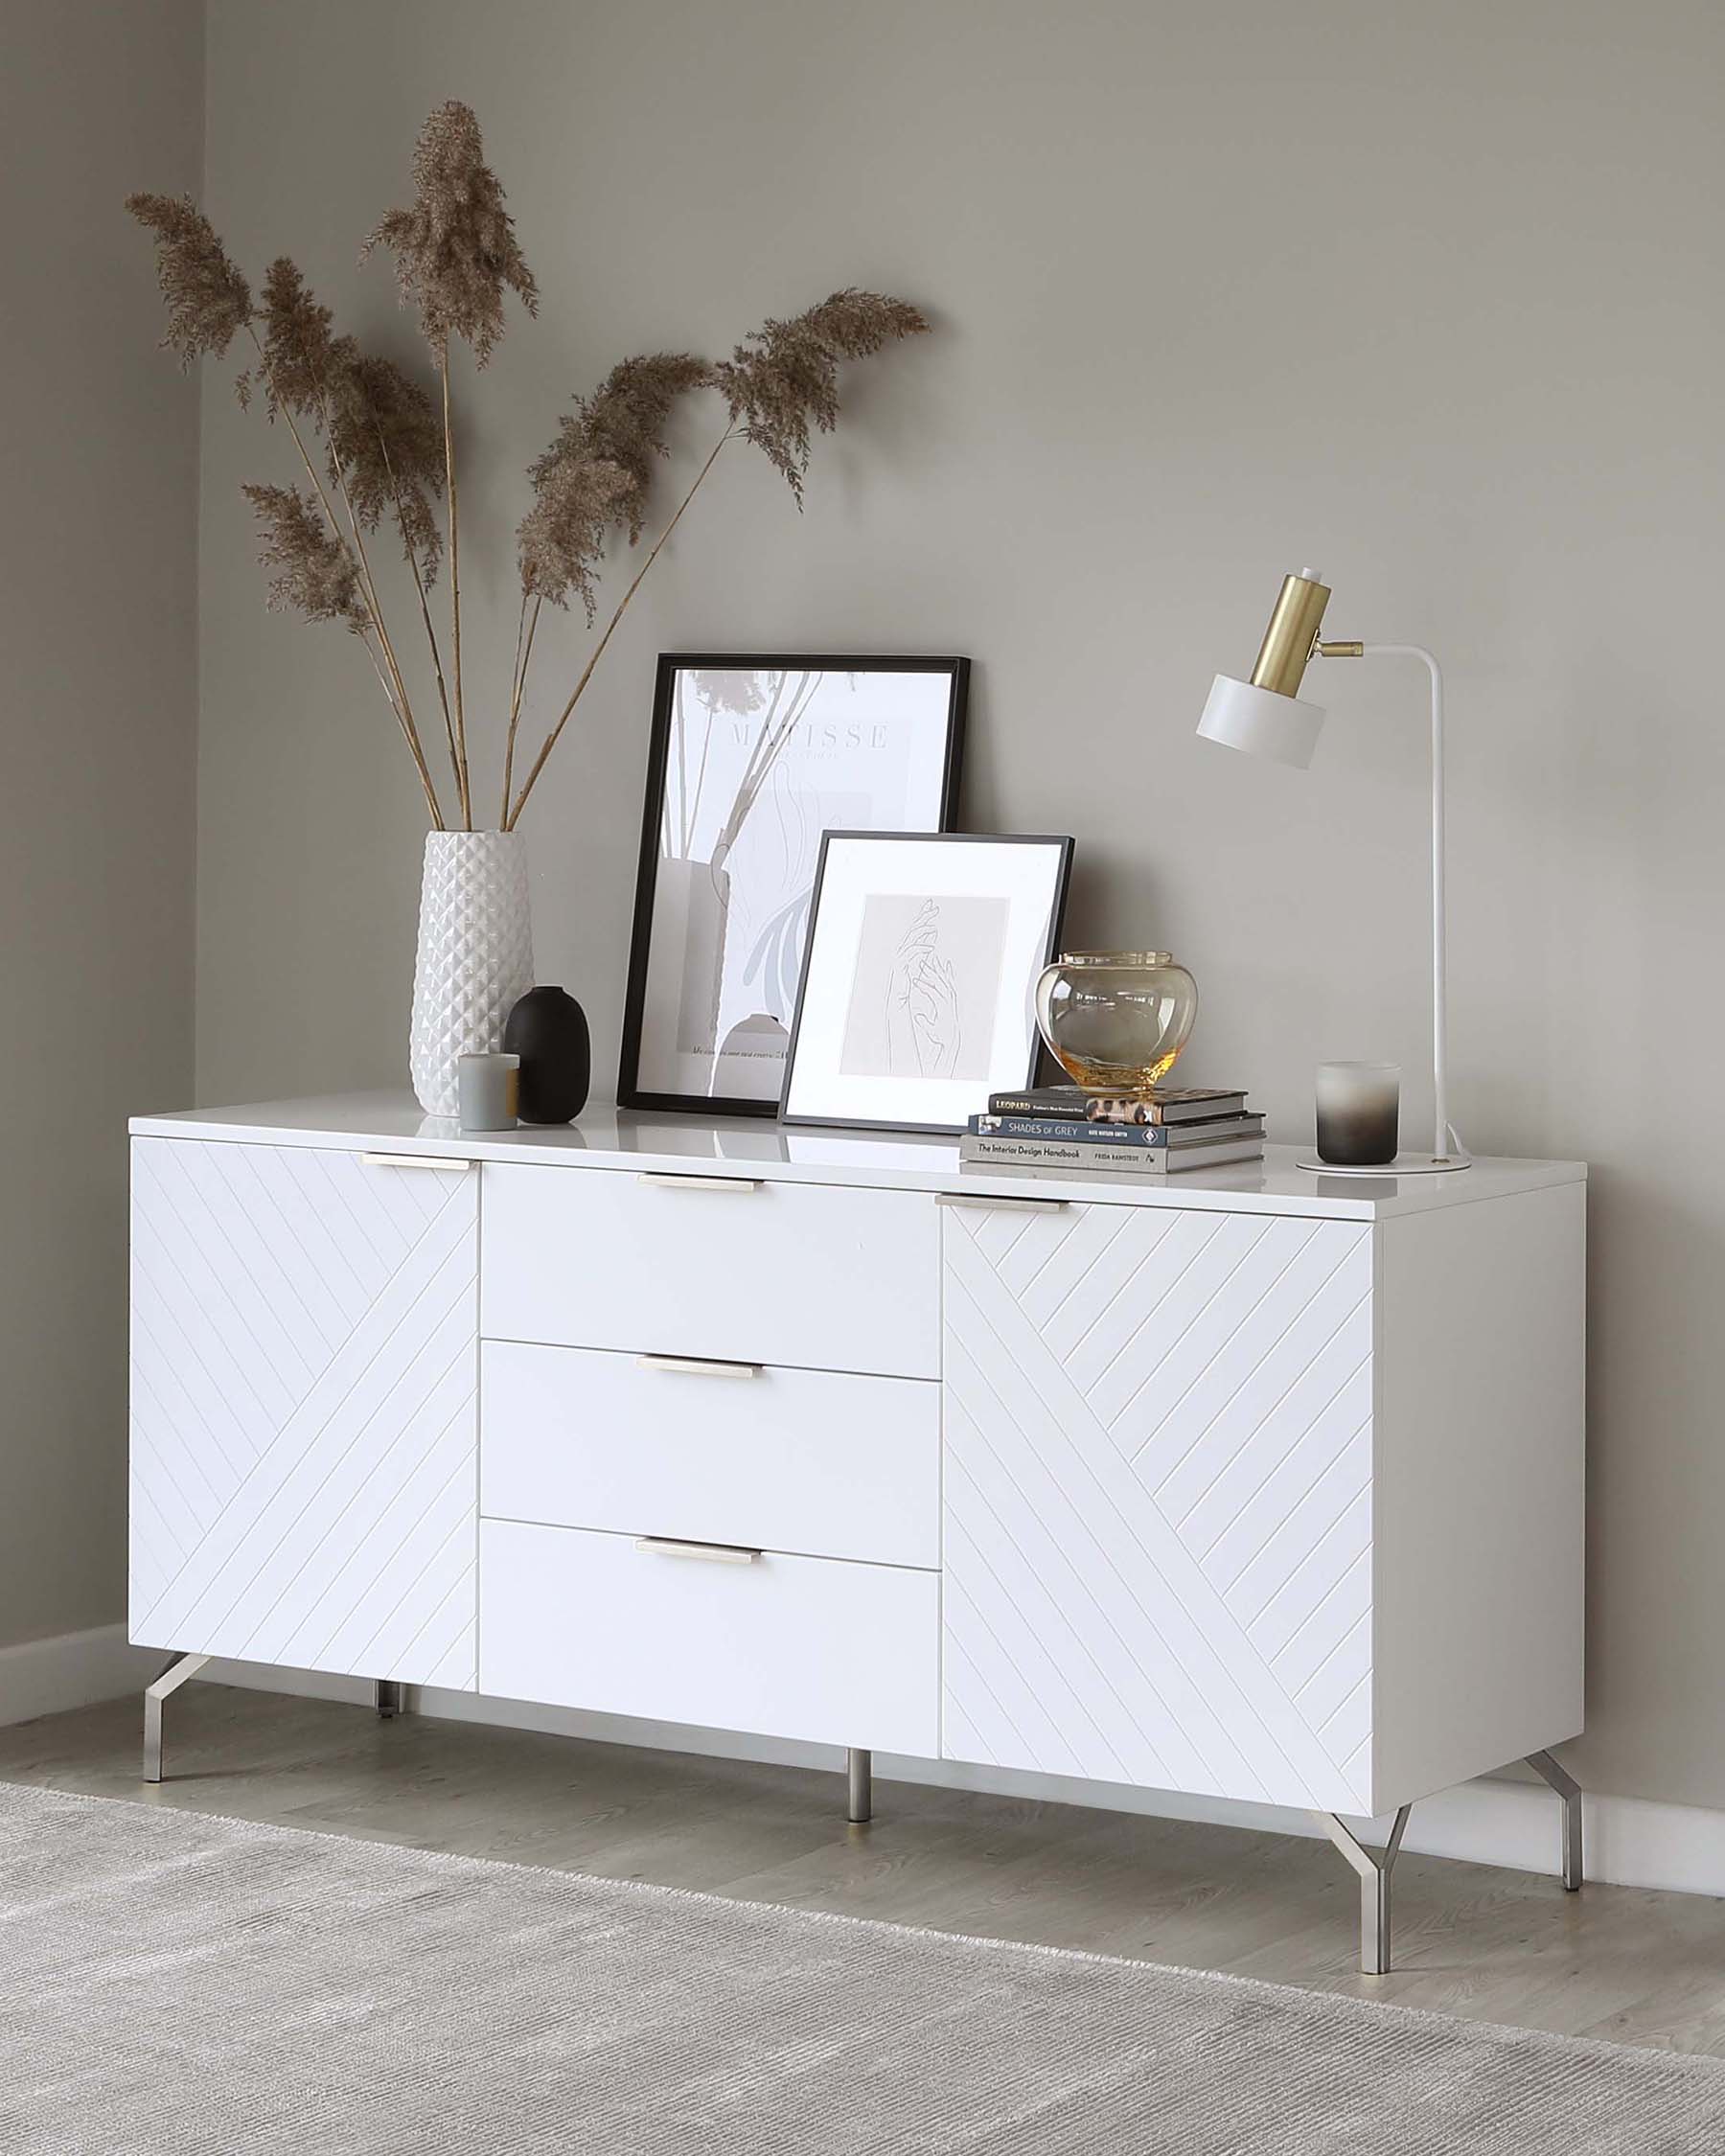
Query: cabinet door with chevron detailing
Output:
(304,1475)
(1158,1499)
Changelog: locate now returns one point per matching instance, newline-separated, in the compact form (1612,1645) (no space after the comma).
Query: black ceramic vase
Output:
(548,1030)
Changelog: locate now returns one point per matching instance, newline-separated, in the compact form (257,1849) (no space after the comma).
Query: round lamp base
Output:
(1404,1164)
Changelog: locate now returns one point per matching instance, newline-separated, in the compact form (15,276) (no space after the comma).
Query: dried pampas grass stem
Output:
(463,780)
(610,629)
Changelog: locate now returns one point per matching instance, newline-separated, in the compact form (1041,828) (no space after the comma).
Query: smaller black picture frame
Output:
(1051,948)
(631,1093)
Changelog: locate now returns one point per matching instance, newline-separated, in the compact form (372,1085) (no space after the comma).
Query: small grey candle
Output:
(1359,1114)
(488,1088)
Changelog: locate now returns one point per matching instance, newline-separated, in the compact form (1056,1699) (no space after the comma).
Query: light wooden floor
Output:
(1620,1963)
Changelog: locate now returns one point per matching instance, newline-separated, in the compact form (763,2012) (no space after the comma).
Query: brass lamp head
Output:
(1292,633)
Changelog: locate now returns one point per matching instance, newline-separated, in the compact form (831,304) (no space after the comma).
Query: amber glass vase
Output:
(1115,1019)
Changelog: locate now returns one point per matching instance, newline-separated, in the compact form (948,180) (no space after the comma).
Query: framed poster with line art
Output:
(918,993)
(752,759)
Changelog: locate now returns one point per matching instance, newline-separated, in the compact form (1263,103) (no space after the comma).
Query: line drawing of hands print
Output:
(923,980)
(923,1031)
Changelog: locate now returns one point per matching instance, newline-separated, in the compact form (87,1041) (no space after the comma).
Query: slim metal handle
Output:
(711,1552)
(697,1365)
(436,1160)
(977,1202)
(702,1183)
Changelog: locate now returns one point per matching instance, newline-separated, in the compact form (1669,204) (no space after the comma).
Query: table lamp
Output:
(1267,716)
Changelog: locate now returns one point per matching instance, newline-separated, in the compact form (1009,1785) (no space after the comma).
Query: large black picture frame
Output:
(632,1093)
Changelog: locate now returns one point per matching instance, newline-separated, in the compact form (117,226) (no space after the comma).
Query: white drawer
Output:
(828,1464)
(757,1272)
(784,1646)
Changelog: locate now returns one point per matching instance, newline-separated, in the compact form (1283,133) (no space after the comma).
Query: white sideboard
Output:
(1250,1484)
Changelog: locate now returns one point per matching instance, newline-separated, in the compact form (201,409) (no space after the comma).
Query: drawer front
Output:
(827,1464)
(784,1646)
(794,1273)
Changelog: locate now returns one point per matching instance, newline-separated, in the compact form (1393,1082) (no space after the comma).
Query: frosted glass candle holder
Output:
(1359,1114)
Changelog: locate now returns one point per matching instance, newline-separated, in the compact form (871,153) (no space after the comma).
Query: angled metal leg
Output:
(1570,1790)
(1374,1867)
(169,1680)
(859,1767)
(390,1701)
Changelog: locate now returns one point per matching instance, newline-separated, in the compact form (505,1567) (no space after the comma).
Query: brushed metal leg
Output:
(168,1682)
(1570,1790)
(390,1701)
(859,1774)
(1375,1867)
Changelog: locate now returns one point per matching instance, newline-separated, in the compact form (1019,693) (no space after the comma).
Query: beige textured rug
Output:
(174,1984)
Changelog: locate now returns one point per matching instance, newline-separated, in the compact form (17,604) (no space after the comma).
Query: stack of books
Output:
(1063,1127)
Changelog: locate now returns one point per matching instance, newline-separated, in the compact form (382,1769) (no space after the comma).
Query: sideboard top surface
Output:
(611,1138)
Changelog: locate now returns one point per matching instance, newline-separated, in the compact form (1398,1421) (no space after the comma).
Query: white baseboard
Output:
(75,1670)
(1630,1841)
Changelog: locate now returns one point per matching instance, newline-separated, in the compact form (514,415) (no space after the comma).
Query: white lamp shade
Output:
(1261,723)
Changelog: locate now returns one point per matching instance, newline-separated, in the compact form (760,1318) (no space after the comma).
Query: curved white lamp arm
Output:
(1445,1140)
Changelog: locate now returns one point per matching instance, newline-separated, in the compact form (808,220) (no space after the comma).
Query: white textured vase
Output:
(475,955)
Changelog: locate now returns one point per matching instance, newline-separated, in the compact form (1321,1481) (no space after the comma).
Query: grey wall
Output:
(1429,298)
(98,707)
